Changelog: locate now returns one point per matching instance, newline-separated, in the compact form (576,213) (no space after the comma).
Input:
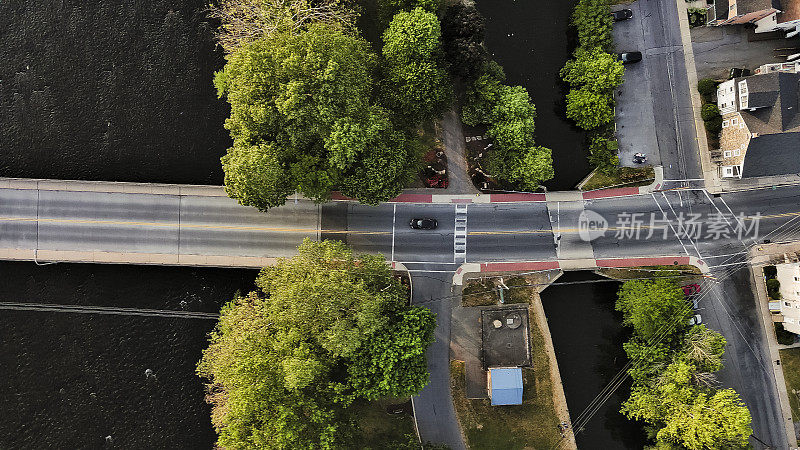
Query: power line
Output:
(108,310)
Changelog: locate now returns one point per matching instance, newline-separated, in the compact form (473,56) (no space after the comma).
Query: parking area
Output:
(717,49)
(634,101)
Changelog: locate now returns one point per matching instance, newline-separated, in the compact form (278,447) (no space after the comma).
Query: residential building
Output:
(731,12)
(760,125)
(789,277)
(767,15)
(787,19)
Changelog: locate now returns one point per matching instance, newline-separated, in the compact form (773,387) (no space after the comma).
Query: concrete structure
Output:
(789,277)
(760,124)
(505,385)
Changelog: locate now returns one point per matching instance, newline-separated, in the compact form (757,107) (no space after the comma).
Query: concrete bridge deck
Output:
(108,222)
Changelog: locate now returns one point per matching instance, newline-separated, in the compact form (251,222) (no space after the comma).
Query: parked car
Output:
(629,57)
(737,72)
(696,320)
(691,289)
(423,224)
(622,14)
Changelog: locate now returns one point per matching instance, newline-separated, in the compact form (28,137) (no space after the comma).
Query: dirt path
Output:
(452,137)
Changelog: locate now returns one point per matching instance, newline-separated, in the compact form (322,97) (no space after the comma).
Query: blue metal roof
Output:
(506,386)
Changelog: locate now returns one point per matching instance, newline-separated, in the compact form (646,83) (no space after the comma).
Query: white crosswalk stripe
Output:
(460,234)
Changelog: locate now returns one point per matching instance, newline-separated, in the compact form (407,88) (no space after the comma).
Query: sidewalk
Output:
(760,292)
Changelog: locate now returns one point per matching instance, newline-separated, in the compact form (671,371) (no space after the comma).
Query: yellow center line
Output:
(184,225)
(314,230)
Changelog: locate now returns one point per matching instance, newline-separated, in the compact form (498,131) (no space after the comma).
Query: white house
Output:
(789,277)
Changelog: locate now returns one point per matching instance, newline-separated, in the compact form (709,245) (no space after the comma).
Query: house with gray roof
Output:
(760,125)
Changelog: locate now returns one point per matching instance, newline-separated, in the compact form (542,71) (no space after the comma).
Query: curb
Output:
(588,264)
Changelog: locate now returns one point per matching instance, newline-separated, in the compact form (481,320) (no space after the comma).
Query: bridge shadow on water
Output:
(588,336)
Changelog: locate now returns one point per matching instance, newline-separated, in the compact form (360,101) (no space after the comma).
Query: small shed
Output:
(505,386)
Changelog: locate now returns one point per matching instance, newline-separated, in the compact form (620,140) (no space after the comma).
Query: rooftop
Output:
(505,339)
(506,386)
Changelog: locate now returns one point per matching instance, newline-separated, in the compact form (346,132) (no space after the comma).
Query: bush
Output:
(770,272)
(709,112)
(592,19)
(697,17)
(784,337)
(774,289)
(714,126)
(603,154)
(706,87)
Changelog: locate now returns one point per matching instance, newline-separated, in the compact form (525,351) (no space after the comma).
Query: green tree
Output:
(534,167)
(647,360)
(462,39)
(302,119)
(709,111)
(593,68)
(704,348)
(418,88)
(515,156)
(603,153)
(589,109)
(689,416)
(483,95)
(592,19)
(653,308)
(327,327)
(707,87)
(245,21)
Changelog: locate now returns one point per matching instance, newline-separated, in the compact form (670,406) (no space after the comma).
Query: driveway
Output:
(717,49)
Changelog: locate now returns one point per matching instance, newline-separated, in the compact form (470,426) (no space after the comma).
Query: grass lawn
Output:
(790,362)
(600,180)
(479,292)
(532,425)
(379,429)
(651,271)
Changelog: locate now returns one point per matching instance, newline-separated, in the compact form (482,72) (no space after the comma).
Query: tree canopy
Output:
(325,329)
(463,30)
(672,368)
(303,119)
(653,307)
(689,416)
(593,21)
(418,88)
(592,67)
(589,109)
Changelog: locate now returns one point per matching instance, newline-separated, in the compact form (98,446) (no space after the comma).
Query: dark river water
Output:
(113,90)
(529,39)
(588,336)
(70,380)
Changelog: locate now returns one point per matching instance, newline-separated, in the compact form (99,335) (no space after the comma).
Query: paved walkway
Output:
(433,407)
(455,149)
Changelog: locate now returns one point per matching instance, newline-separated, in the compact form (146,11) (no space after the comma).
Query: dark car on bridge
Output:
(423,224)
(622,14)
